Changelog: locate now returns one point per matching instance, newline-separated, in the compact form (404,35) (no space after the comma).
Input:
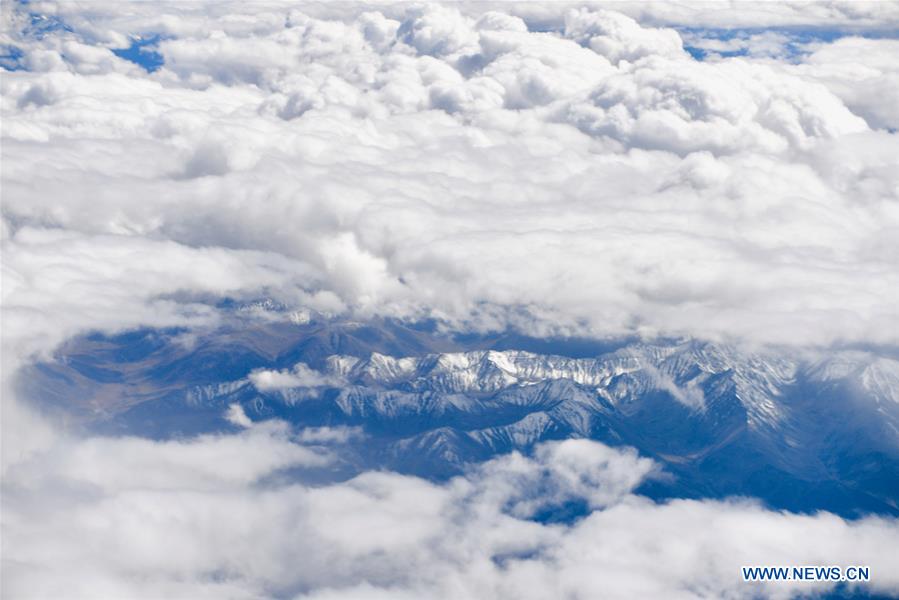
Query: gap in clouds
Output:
(776,424)
(143,52)
(789,44)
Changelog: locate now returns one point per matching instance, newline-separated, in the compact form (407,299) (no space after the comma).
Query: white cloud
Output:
(57,283)
(205,462)
(328,435)
(863,74)
(237,416)
(690,396)
(300,376)
(879,16)
(619,37)
(684,106)
(206,526)
(436,30)
(469,169)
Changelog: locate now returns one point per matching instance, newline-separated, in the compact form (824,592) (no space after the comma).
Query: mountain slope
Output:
(800,432)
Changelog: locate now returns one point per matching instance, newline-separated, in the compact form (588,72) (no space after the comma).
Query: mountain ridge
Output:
(799,432)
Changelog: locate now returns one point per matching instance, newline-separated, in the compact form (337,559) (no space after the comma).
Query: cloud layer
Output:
(119,518)
(593,178)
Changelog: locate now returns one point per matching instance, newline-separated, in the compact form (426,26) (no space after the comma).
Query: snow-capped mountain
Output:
(799,431)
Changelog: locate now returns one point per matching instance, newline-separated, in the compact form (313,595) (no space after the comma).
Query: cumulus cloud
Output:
(211,527)
(429,162)
(619,37)
(863,74)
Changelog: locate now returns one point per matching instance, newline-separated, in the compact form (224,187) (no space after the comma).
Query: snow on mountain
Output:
(881,378)
(799,432)
(878,376)
(681,370)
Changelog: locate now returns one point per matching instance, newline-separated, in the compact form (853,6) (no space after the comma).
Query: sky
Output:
(718,171)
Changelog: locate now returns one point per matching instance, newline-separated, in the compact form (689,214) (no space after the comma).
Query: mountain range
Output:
(799,430)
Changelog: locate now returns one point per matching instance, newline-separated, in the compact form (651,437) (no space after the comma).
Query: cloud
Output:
(213,461)
(842,13)
(719,107)
(619,37)
(300,376)
(592,179)
(863,74)
(436,31)
(690,396)
(208,526)
(58,283)
(237,416)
